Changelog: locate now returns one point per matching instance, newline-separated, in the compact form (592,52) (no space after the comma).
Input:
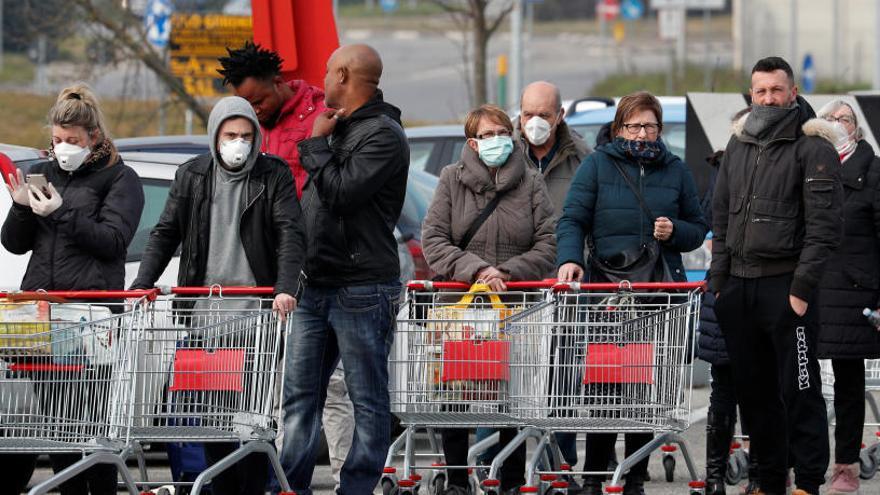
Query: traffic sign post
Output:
(157,22)
(632,10)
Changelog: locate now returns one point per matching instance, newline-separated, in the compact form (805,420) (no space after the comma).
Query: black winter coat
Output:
(710,341)
(83,244)
(271,226)
(777,207)
(353,198)
(852,276)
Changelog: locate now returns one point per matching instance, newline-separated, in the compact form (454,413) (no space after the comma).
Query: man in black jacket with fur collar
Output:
(777,219)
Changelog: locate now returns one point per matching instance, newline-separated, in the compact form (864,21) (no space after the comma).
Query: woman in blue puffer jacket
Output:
(601,205)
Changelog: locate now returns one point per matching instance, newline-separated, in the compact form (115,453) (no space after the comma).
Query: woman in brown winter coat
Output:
(515,242)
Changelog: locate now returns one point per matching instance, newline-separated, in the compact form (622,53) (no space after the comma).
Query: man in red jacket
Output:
(285,109)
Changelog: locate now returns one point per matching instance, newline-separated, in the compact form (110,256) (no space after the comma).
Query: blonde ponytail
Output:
(77,106)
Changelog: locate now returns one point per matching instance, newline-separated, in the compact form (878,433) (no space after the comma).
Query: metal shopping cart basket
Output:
(619,361)
(451,366)
(207,364)
(65,374)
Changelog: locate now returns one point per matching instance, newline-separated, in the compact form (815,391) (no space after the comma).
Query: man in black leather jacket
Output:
(777,220)
(357,160)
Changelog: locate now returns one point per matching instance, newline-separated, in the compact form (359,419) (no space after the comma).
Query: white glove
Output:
(42,205)
(18,189)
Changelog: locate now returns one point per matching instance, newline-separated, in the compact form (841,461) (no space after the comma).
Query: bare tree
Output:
(478,24)
(128,33)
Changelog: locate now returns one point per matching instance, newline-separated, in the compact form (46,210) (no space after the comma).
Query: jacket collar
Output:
(204,162)
(854,173)
(806,124)
(302,101)
(475,175)
(569,143)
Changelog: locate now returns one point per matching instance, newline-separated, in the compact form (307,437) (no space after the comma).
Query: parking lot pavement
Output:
(695,438)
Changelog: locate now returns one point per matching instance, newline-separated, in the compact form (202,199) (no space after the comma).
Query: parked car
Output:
(420,190)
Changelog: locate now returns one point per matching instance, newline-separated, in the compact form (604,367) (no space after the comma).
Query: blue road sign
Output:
(631,10)
(157,22)
(388,5)
(808,77)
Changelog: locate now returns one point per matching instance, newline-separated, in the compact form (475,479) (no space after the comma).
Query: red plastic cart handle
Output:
(219,291)
(552,283)
(428,285)
(668,286)
(81,294)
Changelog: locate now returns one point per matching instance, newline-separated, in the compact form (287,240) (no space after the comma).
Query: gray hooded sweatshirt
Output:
(227,261)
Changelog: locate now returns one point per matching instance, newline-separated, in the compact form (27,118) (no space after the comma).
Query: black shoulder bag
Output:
(642,264)
(479,221)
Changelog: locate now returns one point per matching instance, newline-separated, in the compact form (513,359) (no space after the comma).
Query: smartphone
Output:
(39,181)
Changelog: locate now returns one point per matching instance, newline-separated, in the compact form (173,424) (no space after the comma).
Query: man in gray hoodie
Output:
(235,215)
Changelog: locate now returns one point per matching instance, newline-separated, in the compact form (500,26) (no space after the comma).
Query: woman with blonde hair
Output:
(77,229)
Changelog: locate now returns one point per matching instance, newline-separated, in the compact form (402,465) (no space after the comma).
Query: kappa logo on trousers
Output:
(803,374)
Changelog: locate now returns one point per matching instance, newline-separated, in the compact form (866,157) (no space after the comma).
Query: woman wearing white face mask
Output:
(513,242)
(77,231)
(851,282)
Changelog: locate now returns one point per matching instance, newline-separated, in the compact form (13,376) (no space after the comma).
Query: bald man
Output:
(357,161)
(550,146)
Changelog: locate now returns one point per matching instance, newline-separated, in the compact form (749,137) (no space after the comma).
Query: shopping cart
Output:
(64,374)
(611,358)
(207,362)
(451,366)
(869,457)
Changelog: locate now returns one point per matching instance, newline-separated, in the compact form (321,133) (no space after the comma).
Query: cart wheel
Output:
(438,484)
(733,475)
(669,467)
(867,466)
(389,487)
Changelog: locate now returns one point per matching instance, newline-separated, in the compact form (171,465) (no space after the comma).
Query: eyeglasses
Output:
(844,119)
(489,134)
(650,129)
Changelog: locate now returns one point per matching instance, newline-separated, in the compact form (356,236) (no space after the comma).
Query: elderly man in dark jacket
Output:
(777,220)
(235,213)
(357,161)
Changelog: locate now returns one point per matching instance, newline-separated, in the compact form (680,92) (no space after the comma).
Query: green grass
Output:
(17,69)
(25,119)
(721,81)
(404,9)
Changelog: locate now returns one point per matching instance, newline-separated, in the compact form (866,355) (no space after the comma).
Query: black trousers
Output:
(248,476)
(722,398)
(600,450)
(455,447)
(776,375)
(849,409)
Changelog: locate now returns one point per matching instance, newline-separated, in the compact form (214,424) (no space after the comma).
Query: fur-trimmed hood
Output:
(808,123)
(813,127)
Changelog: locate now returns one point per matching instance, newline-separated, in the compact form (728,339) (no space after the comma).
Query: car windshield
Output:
(673,136)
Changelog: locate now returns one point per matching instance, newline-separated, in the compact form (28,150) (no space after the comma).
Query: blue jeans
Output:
(356,324)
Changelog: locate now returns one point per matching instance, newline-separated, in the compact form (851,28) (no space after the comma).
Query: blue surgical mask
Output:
(495,151)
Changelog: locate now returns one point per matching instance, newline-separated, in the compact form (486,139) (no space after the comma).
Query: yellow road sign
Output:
(196,43)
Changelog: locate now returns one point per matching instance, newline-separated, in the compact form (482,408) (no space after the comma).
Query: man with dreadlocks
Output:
(286,109)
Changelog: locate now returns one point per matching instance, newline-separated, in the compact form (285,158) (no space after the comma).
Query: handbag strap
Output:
(479,221)
(635,190)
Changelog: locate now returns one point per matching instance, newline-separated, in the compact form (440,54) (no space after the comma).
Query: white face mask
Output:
(845,143)
(235,152)
(538,130)
(70,156)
